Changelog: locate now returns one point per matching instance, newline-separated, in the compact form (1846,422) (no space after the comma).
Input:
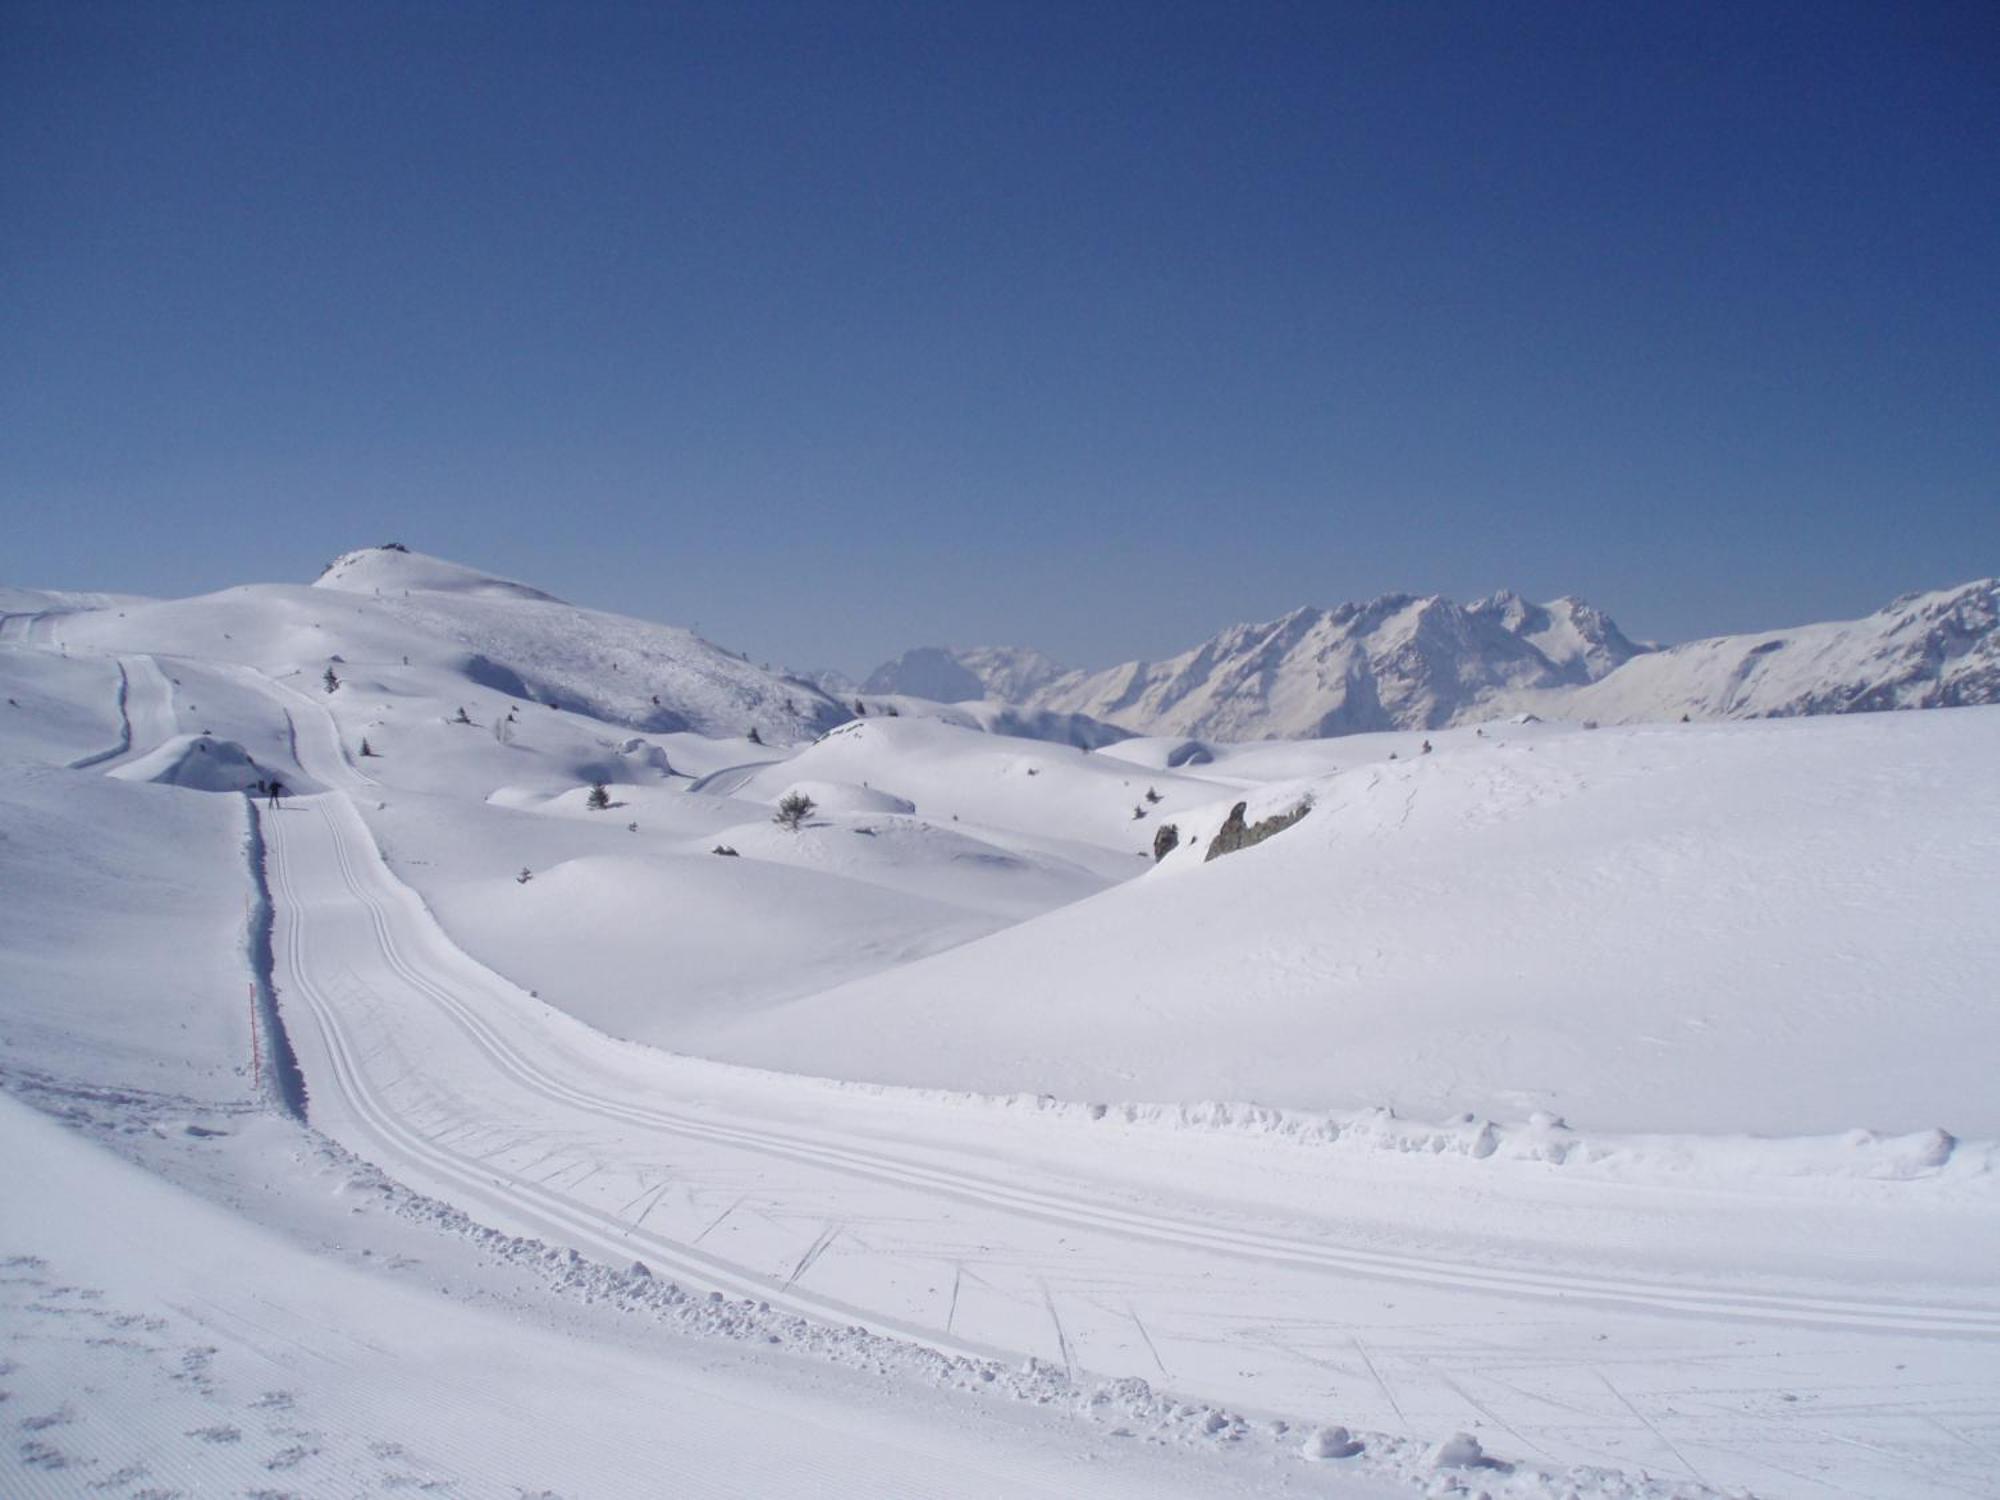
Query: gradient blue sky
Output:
(839,328)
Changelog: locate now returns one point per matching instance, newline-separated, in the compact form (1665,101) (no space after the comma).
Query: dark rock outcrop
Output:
(1235,834)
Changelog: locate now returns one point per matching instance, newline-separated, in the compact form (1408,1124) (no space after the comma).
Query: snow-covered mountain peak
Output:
(393,569)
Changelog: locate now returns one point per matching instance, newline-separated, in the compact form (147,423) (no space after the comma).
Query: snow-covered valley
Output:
(1619,1099)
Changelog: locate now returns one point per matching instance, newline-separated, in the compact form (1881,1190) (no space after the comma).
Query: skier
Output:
(277,790)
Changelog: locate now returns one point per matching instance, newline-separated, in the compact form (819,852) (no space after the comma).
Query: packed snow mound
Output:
(846,797)
(393,569)
(1787,927)
(200,763)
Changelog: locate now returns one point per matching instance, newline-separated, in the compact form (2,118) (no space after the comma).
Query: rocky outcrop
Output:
(1235,833)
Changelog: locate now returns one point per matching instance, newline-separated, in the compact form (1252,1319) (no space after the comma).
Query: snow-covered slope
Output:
(1402,662)
(456,636)
(1693,931)
(1396,662)
(1776,927)
(1927,650)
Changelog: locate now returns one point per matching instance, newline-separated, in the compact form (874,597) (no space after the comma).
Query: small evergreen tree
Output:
(1138,813)
(330,680)
(755,737)
(1151,795)
(793,810)
(599,798)
(366,749)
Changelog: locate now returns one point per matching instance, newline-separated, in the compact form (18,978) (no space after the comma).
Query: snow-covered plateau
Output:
(515,1106)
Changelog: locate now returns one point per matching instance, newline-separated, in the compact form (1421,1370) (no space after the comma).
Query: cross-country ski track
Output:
(1271,1277)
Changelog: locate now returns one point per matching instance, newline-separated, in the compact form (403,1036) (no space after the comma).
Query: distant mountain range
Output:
(1424,662)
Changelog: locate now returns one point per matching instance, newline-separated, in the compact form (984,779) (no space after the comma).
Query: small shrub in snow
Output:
(1138,813)
(599,798)
(793,809)
(1152,795)
(723,849)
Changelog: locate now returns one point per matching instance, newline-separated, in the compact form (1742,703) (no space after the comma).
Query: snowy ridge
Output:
(1400,661)
(1408,662)
(1939,649)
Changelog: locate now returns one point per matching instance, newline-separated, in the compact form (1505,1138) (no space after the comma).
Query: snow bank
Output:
(200,763)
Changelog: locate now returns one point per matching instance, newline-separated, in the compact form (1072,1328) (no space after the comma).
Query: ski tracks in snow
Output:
(419,1024)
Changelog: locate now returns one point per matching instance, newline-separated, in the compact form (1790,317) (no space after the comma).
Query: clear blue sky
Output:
(839,328)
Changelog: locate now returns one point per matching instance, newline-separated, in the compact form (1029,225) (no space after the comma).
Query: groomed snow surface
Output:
(1550,1111)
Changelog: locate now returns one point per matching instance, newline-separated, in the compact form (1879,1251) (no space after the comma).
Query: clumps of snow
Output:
(1330,1442)
(1542,1138)
(199,762)
(1463,1451)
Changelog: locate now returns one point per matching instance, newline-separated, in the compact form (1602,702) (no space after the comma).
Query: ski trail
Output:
(1650,1425)
(1062,1335)
(1388,1395)
(1151,1348)
(817,1249)
(124,745)
(1047,1204)
(716,1223)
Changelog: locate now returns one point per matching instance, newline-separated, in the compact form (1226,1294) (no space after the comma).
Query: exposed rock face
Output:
(1235,834)
(1165,841)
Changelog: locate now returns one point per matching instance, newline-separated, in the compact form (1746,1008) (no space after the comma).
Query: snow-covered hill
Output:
(1271,1130)
(1929,650)
(1396,662)
(1408,662)
(1783,927)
